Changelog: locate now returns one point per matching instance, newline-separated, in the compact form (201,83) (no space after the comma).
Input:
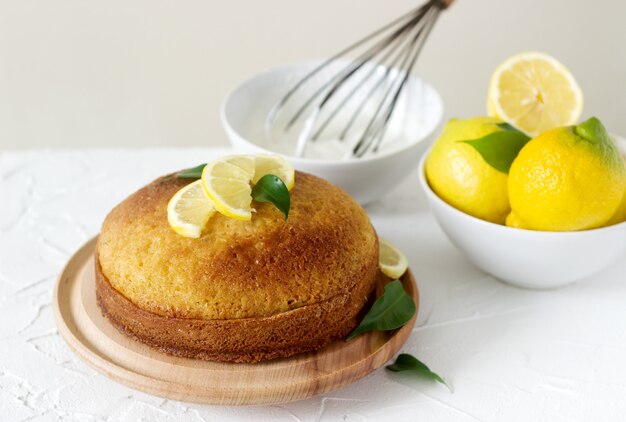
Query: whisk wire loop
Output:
(399,81)
(377,76)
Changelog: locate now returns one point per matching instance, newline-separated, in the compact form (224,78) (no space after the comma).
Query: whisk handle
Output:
(445,3)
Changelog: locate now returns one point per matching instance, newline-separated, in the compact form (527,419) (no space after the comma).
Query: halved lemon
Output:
(392,261)
(534,92)
(189,210)
(226,182)
(276,165)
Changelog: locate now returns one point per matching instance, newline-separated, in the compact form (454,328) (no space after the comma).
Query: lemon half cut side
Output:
(534,92)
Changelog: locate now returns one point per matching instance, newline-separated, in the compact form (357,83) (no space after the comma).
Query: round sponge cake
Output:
(245,290)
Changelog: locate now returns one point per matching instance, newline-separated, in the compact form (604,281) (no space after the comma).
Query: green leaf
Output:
(405,362)
(390,311)
(272,189)
(500,148)
(507,126)
(192,173)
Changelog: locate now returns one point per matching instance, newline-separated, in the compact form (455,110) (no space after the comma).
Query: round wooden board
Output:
(132,363)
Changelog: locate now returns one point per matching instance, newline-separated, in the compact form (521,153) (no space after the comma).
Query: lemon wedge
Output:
(226,182)
(392,261)
(189,210)
(276,165)
(534,92)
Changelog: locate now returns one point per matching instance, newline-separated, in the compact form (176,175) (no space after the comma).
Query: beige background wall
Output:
(134,73)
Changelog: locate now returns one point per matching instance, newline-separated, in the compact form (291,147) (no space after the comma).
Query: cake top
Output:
(237,269)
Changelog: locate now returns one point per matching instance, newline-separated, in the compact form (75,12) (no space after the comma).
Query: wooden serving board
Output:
(132,363)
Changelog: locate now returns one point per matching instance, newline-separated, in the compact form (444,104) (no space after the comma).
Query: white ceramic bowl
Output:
(527,258)
(244,110)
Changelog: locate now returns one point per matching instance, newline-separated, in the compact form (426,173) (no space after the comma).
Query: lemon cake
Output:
(244,291)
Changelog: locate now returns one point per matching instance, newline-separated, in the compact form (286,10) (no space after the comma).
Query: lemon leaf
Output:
(508,126)
(390,311)
(271,188)
(500,148)
(191,173)
(409,363)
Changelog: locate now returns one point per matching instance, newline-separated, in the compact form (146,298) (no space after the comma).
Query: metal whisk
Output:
(372,81)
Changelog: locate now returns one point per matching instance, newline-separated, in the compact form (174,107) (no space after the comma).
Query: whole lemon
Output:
(620,214)
(460,175)
(566,179)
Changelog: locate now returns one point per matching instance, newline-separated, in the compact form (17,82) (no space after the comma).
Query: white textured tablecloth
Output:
(509,354)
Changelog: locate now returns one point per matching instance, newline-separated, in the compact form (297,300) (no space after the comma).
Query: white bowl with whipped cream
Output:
(410,129)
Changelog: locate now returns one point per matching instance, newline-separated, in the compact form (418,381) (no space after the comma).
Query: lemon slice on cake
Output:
(392,261)
(534,92)
(227,181)
(189,210)
(276,165)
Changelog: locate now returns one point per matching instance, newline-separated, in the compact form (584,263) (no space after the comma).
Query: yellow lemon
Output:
(620,214)
(460,175)
(189,210)
(566,179)
(276,165)
(534,92)
(392,262)
(226,181)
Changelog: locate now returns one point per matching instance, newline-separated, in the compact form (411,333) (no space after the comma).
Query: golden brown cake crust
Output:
(246,340)
(244,291)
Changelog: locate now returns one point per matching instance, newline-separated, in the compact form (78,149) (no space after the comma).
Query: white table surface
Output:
(509,354)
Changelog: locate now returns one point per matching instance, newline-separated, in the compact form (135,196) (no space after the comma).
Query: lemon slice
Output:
(276,165)
(534,92)
(189,210)
(392,261)
(226,182)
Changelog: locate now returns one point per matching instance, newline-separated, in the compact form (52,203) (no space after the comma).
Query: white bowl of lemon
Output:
(527,258)
(537,213)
